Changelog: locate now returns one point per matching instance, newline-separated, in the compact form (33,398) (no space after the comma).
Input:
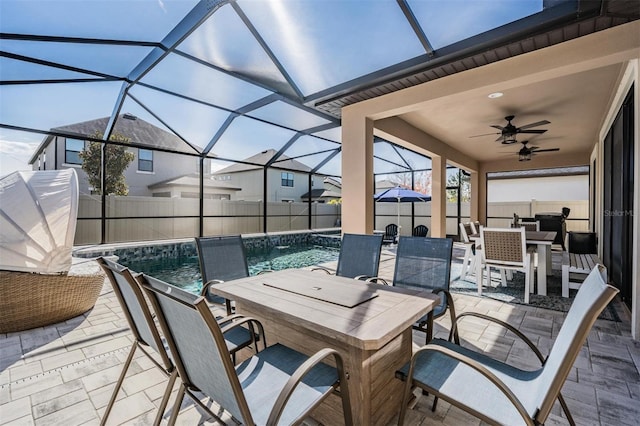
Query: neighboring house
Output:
(381,185)
(189,187)
(332,190)
(282,185)
(147,168)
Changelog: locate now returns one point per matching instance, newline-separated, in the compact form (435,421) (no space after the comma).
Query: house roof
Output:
(321,193)
(333,181)
(263,158)
(136,129)
(194,180)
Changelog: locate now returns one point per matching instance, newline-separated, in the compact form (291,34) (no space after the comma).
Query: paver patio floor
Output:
(64,374)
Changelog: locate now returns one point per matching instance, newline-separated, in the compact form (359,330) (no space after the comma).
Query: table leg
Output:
(542,268)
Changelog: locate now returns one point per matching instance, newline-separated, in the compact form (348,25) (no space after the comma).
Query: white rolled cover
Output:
(38,212)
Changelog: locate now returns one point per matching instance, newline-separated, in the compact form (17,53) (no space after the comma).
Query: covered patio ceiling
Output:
(218,73)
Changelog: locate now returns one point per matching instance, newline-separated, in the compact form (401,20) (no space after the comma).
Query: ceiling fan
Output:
(508,133)
(526,152)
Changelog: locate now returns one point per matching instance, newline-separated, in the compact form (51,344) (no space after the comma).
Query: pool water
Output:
(185,272)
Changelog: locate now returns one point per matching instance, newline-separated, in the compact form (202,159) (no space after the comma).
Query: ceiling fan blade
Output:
(533,147)
(537,132)
(546,150)
(495,126)
(536,124)
(486,134)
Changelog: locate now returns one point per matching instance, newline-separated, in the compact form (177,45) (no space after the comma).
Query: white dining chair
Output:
(468,261)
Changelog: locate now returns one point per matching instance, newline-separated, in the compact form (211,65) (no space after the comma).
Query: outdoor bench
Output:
(574,263)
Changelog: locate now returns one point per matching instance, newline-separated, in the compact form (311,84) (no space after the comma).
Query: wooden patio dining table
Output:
(369,324)
(543,241)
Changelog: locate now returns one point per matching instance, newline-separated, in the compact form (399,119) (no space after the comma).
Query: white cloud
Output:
(15,156)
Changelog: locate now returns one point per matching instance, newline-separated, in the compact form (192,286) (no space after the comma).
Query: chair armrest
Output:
(362,277)
(298,375)
(322,268)
(505,325)
(205,287)
(476,366)
(265,271)
(250,321)
(377,280)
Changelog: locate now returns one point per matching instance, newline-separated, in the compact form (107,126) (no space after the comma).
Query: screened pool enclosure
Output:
(227,113)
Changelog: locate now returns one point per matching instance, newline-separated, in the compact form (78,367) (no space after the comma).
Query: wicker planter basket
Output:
(35,300)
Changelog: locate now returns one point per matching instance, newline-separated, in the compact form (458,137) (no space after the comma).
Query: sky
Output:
(319,43)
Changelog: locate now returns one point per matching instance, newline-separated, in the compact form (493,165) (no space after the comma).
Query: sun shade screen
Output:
(38,212)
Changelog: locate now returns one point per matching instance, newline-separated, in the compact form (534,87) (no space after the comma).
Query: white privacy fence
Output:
(157,218)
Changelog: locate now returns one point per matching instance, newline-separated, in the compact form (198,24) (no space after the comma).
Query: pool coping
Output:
(173,248)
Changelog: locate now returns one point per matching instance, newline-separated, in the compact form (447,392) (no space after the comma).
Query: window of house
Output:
(287,179)
(145,160)
(72,150)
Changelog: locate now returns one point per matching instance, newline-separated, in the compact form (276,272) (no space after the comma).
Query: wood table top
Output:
(369,325)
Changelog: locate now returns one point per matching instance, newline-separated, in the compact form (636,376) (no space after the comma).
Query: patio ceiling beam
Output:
(57,65)
(220,132)
(267,49)
(306,155)
(408,13)
(76,40)
(325,161)
(196,16)
(283,149)
(164,123)
(63,80)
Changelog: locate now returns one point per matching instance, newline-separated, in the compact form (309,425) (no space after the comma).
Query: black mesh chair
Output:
(582,242)
(359,256)
(390,234)
(277,385)
(146,335)
(420,231)
(425,264)
(221,259)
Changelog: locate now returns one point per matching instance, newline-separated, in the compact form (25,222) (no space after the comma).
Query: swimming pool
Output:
(185,272)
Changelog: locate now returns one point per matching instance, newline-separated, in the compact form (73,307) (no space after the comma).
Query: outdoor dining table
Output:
(543,241)
(369,324)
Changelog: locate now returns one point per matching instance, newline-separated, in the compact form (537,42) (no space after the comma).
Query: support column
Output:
(438,196)
(357,174)
(482,196)
(474,212)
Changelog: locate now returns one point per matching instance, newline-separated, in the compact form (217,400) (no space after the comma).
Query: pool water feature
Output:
(185,272)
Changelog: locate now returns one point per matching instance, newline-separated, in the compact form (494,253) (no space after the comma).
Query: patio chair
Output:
(146,335)
(468,261)
(506,249)
(277,385)
(420,231)
(499,393)
(475,227)
(390,234)
(221,259)
(582,242)
(359,256)
(424,263)
(530,226)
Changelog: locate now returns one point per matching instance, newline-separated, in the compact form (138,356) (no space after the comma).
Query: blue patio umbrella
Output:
(400,195)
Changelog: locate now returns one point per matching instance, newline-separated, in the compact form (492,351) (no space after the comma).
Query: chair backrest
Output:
(475,226)
(466,229)
(222,258)
(504,246)
(420,231)
(582,242)
(593,296)
(423,263)
(530,226)
(198,347)
(359,255)
(135,308)
(390,231)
